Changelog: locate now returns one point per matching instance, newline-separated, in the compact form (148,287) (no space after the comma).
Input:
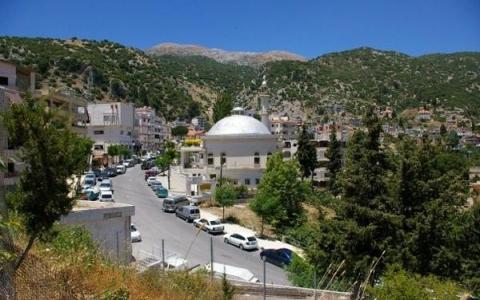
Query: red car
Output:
(150,173)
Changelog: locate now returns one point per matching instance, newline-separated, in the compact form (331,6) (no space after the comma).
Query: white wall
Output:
(10,71)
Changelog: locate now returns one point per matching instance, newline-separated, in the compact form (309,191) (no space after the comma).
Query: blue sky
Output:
(306,27)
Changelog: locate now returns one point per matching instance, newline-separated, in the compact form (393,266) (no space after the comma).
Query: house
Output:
(423,115)
(150,130)
(110,124)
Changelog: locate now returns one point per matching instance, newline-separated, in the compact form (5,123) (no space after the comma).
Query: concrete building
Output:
(109,225)
(284,128)
(150,130)
(72,105)
(110,124)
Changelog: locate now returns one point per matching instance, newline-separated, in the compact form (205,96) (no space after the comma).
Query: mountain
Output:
(253,59)
(182,86)
(360,76)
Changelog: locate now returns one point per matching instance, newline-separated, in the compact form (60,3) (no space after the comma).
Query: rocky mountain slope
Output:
(186,85)
(252,59)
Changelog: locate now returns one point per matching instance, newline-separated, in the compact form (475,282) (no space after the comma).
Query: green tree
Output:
(281,181)
(53,153)
(225,196)
(166,159)
(117,90)
(266,207)
(222,108)
(334,164)
(443,130)
(452,139)
(397,284)
(179,131)
(113,151)
(306,154)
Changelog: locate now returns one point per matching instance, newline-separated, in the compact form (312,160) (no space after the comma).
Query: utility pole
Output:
(163,254)
(211,258)
(264,278)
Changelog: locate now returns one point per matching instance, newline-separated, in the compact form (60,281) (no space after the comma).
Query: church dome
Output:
(238,125)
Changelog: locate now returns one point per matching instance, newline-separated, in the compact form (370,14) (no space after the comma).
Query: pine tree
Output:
(306,154)
(222,108)
(334,164)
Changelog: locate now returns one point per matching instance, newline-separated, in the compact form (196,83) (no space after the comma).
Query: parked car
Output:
(106,185)
(161,192)
(111,172)
(170,204)
(135,235)
(91,193)
(106,196)
(155,185)
(103,175)
(88,182)
(188,213)
(148,164)
(244,242)
(121,169)
(151,179)
(97,174)
(209,225)
(90,175)
(280,257)
(151,173)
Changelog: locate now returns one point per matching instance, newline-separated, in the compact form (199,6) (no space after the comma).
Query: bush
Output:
(397,284)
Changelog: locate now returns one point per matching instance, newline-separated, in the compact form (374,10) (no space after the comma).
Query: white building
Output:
(109,225)
(236,147)
(150,130)
(110,124)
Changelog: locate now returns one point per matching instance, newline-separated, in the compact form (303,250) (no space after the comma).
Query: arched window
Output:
(256,158)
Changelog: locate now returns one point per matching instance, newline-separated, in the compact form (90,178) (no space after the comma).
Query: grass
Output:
(70,264)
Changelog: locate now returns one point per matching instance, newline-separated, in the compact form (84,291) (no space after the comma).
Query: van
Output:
(106,196)
(188,213)
(121,169)
(106,185)
(170,204)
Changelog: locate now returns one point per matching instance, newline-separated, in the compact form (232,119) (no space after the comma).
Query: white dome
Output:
(238,125)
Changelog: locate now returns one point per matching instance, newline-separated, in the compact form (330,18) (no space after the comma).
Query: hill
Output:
(252,59)
(187,85)
(354,78)
(117,72)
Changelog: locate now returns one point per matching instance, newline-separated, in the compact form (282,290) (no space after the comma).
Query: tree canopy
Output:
(52,153)
(306,154)
(222,108)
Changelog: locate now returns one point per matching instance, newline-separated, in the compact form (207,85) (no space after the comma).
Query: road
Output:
(155,225)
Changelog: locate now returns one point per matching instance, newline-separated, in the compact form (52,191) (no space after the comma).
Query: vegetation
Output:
(398,284)
(225,196)
(334,164)
(118,150)
(166,159)
(116,72)
(402,204)
(222,108)
(306,154)
(46,143)
(282,191)
(179,131)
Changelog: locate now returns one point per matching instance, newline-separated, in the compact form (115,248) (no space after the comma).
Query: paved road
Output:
(156,225)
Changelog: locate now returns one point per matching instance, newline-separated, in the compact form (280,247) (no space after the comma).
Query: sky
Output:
(306,27)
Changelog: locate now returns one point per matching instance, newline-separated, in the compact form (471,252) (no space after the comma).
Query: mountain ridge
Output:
(245,58)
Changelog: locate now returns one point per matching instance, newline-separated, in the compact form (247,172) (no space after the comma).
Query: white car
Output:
(244,242)
(106,185)
(106,196)
(151,179)
(135,234)
(210,226)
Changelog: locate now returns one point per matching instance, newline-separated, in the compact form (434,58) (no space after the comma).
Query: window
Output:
(98,132)
(257,180)
(121,132)
(235,181)
(247,181)
(210,159)
(109,118)
(3,80)
(98,147)
(129,133)
(223,158)
(256,158)
(11,167)
(213,176)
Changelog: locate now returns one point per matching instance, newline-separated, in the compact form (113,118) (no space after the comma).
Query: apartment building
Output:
(150,130)
(110,124)
(285,128)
